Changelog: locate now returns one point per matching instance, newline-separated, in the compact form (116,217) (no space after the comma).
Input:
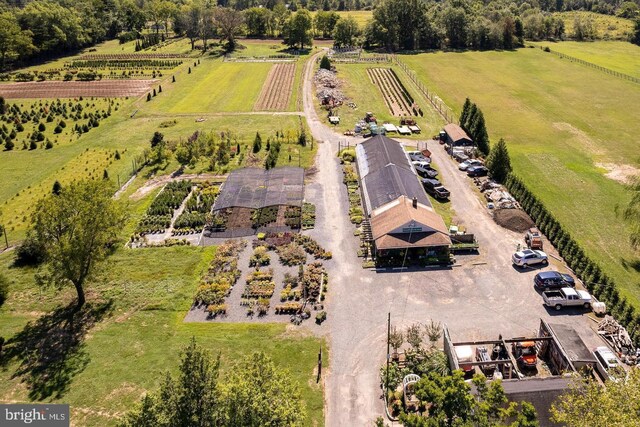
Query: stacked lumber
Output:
(616,335)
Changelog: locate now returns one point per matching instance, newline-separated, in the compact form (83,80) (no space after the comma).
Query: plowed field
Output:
(56,89)
(276,90)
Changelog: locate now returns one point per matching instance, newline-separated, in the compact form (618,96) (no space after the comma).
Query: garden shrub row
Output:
(259,284)
(350,179)
(314,281)
(265,216)
(291,254)
(311,246)
(595,279)
(125,63)
(308,215)
(260,257)
(197,210)
(220,277)
(158,216)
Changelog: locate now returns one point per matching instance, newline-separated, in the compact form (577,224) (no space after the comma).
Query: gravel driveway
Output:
(478,298)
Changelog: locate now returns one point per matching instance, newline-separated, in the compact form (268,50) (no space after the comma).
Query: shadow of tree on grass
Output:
(50,351)
(630,263)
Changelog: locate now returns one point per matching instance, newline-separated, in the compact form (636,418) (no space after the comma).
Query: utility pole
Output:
(319,365)
(386,390)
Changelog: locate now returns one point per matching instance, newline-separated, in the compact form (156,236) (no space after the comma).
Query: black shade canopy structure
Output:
(257,188)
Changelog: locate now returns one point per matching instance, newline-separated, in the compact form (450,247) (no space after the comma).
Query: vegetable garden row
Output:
(276,90)
(395,95)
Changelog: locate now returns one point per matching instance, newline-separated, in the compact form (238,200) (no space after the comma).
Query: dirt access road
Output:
(480,297)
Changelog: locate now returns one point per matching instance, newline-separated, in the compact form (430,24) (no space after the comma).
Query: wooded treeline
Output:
(53,27)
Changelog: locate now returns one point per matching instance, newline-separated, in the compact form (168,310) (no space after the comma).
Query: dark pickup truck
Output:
(435,188)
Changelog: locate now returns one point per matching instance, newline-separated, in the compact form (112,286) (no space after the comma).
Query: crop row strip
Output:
(443,109)
(390,92)
(400,95)
(374,79)
(275,87)
(283,87)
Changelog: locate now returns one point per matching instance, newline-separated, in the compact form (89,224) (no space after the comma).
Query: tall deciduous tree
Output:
(588,404)
(297,30)
(256,394)
(451,403)
(346,32)
(229,23)
(498,161)
(14,42)
(76,228)
(191,399)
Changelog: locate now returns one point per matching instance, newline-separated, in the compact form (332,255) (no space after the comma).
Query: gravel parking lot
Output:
(480,297)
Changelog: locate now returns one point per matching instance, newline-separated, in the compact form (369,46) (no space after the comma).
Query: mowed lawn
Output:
(358,88)
(622,57)
(564,123)
(128,351)
(212,87)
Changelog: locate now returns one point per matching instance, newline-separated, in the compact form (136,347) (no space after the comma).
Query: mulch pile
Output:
(513,219)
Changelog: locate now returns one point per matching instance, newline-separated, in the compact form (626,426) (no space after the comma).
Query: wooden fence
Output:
(443,109)
(592,65)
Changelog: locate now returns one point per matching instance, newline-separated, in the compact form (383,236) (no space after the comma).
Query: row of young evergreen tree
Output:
(585,268)
(472,121)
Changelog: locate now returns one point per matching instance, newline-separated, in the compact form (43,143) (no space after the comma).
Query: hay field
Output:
(570,129)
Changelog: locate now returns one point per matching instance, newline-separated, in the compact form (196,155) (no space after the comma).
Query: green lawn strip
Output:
(556,134)
(296,89)
(619,56)
(213,86)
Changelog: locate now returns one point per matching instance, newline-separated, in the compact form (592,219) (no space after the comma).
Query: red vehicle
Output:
(525,353)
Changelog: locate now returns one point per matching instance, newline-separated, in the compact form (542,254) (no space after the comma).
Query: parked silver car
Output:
(468,163)
(529,257)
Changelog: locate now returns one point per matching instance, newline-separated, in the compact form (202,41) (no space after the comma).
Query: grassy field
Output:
(127,352)
(360,16)
(566,125)
(622,57)
(607,27)
(94,152)
(197,101)
(213,86)
(358,88)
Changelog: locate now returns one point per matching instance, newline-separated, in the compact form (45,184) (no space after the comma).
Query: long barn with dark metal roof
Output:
(397,207)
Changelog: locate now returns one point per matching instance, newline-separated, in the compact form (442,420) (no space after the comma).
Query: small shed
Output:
(455,135)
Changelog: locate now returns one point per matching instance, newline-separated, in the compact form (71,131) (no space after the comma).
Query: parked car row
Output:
(473,168)
(422,166)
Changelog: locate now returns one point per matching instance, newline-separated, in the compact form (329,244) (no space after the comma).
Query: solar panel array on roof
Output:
(257,188)
(386,173)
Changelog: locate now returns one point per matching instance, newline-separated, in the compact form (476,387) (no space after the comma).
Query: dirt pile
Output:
(513,219)
(327,87)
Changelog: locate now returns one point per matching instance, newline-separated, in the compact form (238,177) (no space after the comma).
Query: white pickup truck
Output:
(567,297)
